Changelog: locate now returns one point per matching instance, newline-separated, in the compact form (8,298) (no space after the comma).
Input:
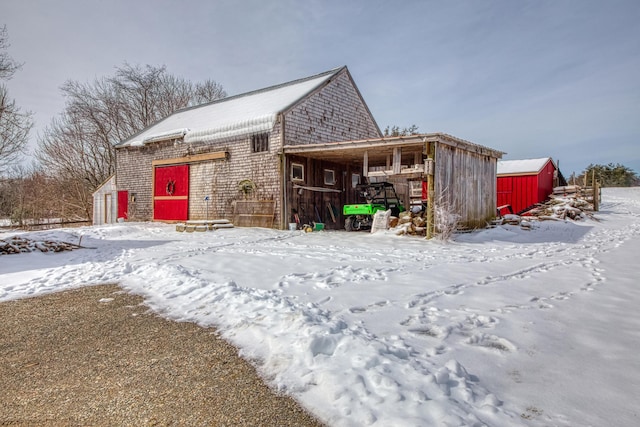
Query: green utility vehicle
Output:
(378,196)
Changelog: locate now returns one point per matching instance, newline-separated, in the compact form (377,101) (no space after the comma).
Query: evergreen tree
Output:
(396,131)
(611,175)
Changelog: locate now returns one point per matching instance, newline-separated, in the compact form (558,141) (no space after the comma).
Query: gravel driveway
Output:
(97,356)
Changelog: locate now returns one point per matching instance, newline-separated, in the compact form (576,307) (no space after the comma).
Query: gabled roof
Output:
(109,181)
(523,167)
(251,112)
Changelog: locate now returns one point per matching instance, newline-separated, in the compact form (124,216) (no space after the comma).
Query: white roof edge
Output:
(171,134)
(161,136)
(250,126)
(506,167)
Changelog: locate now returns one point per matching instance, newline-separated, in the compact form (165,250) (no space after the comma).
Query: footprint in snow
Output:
(491,342)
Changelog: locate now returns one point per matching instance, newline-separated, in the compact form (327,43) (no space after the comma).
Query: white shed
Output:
(105,203)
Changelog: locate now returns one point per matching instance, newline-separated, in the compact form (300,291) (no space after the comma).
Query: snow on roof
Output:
(506,167)
(251,112)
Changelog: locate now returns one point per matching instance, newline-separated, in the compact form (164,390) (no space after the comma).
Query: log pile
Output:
(409,223)
(574,191)
(557,208)
(16,245)
(561,208)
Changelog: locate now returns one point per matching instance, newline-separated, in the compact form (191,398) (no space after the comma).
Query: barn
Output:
(523,183)
(225,159)
(294,150)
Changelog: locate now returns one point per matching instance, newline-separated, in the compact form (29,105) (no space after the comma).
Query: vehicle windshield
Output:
(380,194)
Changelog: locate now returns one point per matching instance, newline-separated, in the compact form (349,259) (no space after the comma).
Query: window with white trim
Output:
(329,177)
(355,179)
(297,172)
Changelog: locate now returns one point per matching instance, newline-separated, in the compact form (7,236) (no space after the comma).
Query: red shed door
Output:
(171,193)
(123,204)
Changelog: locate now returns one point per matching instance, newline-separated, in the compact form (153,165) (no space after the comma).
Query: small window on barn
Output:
(297,172)
(329,177)
(260,143)
(355,179)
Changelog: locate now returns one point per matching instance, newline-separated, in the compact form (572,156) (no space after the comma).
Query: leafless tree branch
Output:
(78,146)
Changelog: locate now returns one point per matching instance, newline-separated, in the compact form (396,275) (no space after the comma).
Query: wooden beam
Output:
(217,155)
(170,197)
(417,170)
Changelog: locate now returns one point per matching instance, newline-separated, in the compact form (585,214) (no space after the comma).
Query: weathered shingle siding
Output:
(217,179)
(466,181)
(334,113)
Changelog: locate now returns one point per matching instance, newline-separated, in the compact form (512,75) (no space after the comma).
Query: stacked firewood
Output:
(557,208)
(409,223)
(561,208)
(16,245)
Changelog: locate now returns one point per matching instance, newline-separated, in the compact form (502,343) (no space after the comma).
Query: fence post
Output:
(594,189)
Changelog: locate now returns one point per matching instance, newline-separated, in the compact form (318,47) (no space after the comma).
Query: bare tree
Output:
(14,123)
(446,219)
(77,147)
(208,91)
(7,65)
(28,196)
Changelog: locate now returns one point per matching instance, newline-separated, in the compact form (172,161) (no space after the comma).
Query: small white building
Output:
(105,206)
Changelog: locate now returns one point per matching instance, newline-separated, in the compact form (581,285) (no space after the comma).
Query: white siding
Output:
(105,203)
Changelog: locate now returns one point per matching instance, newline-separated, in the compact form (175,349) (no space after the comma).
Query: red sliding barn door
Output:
(171,193)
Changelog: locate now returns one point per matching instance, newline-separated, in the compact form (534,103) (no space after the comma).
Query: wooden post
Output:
(596,196)
(593,188)
(397,160)
(284,215)
(365,164)
(430,172)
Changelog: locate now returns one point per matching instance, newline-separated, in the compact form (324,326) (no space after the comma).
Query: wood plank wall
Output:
(314,206)
(467,181)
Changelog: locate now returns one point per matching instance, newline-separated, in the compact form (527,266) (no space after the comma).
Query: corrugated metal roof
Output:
(526,166)
(251,112)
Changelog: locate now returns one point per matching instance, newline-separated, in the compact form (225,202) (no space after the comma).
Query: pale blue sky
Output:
(536,78)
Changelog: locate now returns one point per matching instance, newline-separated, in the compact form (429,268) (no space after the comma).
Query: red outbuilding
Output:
(523,183)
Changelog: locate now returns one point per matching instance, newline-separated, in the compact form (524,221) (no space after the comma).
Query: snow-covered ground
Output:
(500,327)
